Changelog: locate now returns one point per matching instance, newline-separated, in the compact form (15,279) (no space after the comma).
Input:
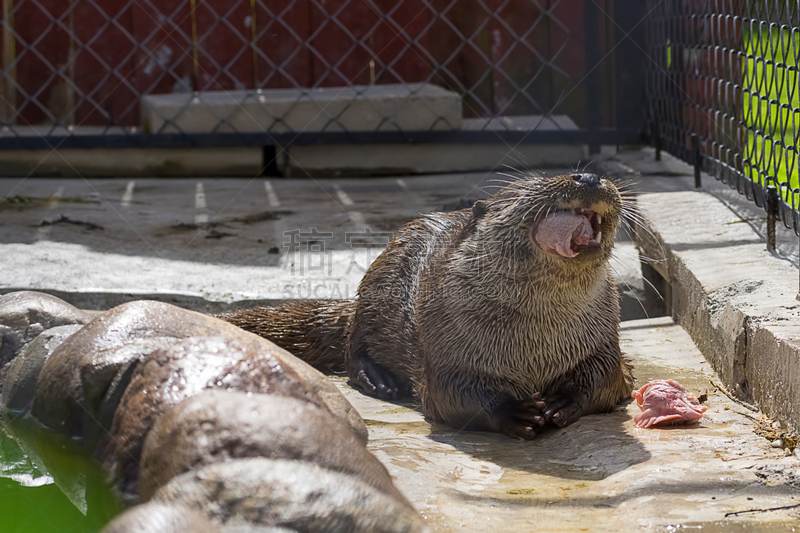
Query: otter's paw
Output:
(560,409)
(521,419)
(377,380)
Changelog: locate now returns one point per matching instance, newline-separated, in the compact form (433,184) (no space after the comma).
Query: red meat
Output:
(665,402)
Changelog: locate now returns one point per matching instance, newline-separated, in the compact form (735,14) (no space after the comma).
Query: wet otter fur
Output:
(489,329)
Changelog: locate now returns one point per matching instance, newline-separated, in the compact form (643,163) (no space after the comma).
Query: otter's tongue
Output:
(558,232)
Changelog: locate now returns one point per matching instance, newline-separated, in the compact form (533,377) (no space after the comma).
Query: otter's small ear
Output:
(479,209)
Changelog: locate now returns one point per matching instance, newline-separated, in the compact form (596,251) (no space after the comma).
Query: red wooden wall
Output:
(124,49)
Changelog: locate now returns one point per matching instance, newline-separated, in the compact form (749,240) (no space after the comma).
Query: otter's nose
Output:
(590,180)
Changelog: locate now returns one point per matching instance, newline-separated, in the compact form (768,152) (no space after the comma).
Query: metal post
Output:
(254,42)
(287,161)
(657,139)
(591,35)
(630,63)
(772,212)
(195,48)
(8,91)
(697,162)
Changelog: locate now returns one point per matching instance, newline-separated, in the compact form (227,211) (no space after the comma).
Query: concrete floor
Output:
(171,236)
(600,474)
(211,244)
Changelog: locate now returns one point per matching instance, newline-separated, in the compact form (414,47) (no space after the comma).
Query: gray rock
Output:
(216,426)
(19,383)
(249,528)
(60,403)
(160,518)
(100,369)
(26,314)
(290,494)
(166,377)
(105,375)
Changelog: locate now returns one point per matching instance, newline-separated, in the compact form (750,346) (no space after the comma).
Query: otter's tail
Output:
(313,330)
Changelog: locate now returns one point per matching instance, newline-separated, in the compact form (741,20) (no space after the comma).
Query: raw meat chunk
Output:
(665,402)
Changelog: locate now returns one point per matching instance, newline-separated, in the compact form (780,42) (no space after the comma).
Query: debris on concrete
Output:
(66,220)
(779,437)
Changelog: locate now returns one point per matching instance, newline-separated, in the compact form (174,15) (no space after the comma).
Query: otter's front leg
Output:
(474,404)
(596,385)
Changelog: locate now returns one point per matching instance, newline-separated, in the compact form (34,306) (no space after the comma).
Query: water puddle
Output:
(47,484)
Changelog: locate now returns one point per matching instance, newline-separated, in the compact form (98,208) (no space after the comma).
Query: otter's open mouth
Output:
(568,233)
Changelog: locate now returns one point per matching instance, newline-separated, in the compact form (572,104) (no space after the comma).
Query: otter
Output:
(503,317)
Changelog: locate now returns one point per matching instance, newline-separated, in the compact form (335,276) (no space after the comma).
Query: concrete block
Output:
(736,300)
(405,107)
(130,162)
(394,159)
(403,159)
(773,369)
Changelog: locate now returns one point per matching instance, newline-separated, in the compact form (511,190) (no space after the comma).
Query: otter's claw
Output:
(521,418)
(561,409)
(521,432)
(377,380)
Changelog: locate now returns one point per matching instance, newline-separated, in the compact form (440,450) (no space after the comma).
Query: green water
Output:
(48,485)
(39,509)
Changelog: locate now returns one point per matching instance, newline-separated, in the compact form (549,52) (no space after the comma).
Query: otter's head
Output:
(568,219)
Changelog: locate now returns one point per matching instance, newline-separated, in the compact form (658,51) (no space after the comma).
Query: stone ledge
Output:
(133,162)
(736,300)
(404,107)
(401,159)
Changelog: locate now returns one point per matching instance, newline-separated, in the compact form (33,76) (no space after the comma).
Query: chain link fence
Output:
(126,73)
(723,95)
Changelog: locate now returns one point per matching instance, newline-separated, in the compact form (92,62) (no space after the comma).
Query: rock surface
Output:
(166,377)
(285,450)
(217,426)
(289,494)
(60,403)
(98,368)
(19,383)
(160,518)
(26,314)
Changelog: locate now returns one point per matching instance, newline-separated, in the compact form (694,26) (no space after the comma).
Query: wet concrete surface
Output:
(217,244)
(73,237)
(600,474)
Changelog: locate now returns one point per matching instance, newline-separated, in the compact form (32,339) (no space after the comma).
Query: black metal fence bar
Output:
(723,93)
(201,140)
(145,73)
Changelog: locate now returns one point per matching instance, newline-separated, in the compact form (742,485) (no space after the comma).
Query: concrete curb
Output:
(98,300)
(736,300)
(133,162)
